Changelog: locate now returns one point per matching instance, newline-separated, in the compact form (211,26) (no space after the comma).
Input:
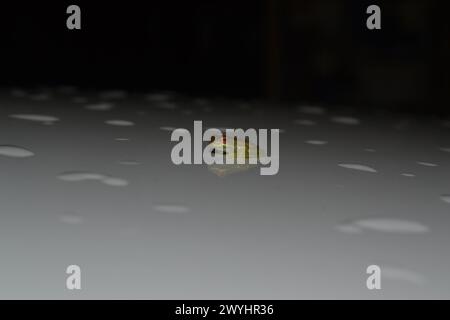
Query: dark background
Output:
(287,50)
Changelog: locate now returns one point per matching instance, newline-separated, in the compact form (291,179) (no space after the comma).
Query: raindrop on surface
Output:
(80,176)
(386,225)
(346,120)
(115,182)
(34,117)
(427,164)
(316,142)
(402,275)
(391,225)
(445,198)
(15,152)
(120,123)
(167,128)
(71,219)
(92,176)
(104,106)
(409,175)
(359,167)
(348,228)
(305,122)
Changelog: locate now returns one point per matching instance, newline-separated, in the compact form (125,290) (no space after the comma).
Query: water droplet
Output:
(34,117)
(80,176)
(317,142)
(166,128)
(71,219)
(348,228)
(313,110)
(171,209)
(115,182)
(410,175)
(305,122)
(355,166)
(15,152)
(120,123)
(391,225)
(445,198)
(402,275)
(427,164)
(122,139)
(346,120)
(86,176)
(104,106)
(369,150)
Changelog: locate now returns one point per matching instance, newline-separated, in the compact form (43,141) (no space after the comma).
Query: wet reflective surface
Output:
(97,188)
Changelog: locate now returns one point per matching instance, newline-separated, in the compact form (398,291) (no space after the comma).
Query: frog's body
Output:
(243,150)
